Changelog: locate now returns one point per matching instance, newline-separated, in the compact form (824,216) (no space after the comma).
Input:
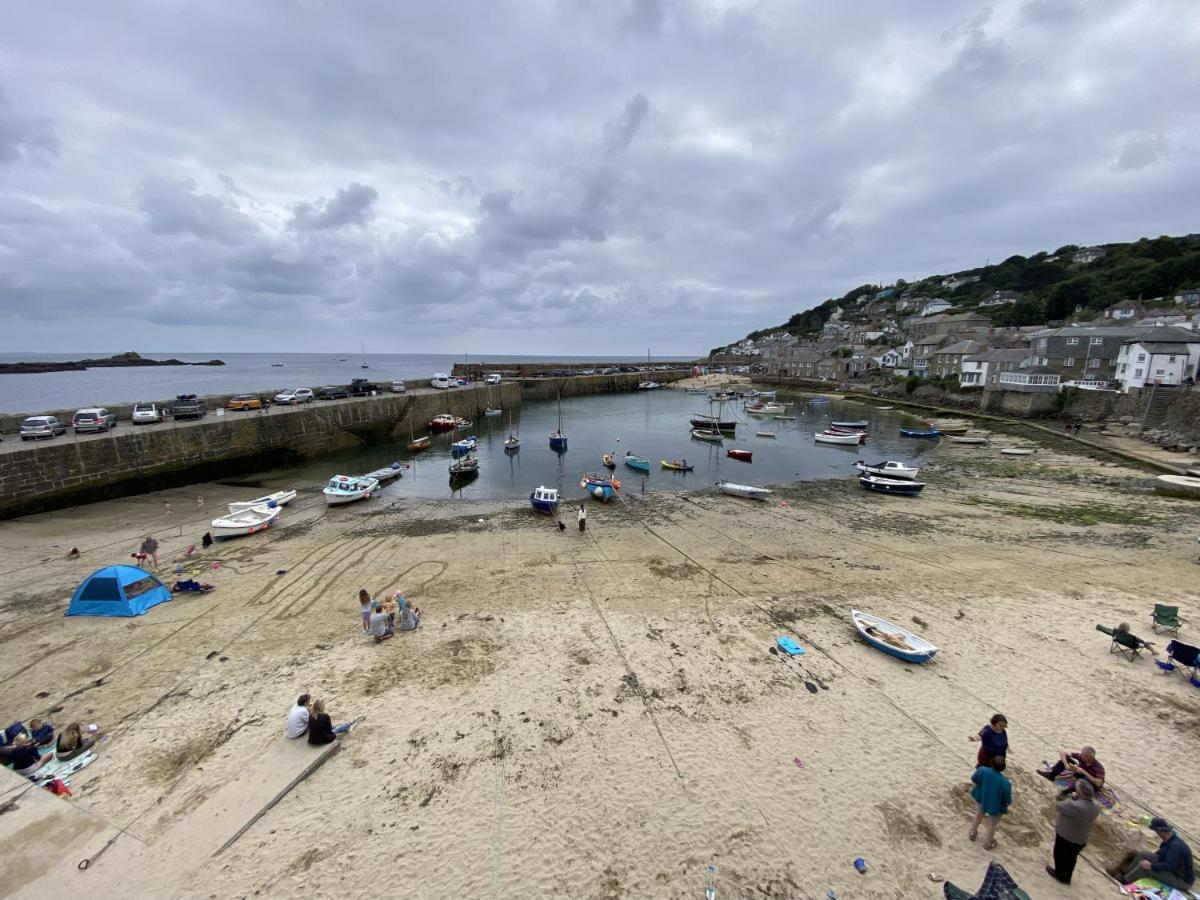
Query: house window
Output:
(1160,371)
(1170,359)
(1096,341)
(1069,361)
(1137,373)
(1093,363)
(1071,342)
(1141,357)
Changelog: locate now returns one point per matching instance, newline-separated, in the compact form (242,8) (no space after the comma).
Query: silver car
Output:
(94,418)
(42,427)
(147,413)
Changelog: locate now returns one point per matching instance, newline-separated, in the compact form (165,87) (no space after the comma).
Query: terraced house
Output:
(1083,353)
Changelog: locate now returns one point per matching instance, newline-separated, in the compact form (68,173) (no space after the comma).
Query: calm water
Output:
(252,372)
(652,424)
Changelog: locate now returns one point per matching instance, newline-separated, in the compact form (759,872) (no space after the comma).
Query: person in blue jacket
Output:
(992,794)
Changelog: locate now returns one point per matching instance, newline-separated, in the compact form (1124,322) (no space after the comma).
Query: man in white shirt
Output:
(297,718)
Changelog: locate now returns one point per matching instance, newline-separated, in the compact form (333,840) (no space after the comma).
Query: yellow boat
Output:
(676,466)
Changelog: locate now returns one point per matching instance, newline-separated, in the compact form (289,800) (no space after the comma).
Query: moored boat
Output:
(1017,451)
(636,462)
(544,500)
(468,465)
(348,488)
(244,521)
(609,462)
(387,473)
(856,424)
(677,465)
(279,498)
(464,446)
(950,426)
(852,439)
(888,469)
(648,386)
(512,442)
(708,434)
(920,432)
(892,639)
(885,407)
(767,434)
(493,411)
(421,443)
(702,421)
(444,422)
(601,486)
(743,455)
(964,439)
(749,491)
(903,486)
(766,409)
(558,440)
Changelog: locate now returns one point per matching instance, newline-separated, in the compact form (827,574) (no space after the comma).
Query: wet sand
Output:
(597,715)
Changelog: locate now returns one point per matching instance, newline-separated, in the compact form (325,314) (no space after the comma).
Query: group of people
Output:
(382,618)
(309,718)
(1077,808)
(29,747)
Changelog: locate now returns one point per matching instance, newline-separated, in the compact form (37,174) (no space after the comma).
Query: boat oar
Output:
(812,688)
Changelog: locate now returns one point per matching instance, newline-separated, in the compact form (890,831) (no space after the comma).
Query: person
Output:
(207,540)
(1144,645)
(74,554)
(364,608)
(150,549)
(321,729)
(72,743)
(1082,764)
(993,739)
(25,757)
(379,627)
(561,526)
(1171,863)
(410,617)
(40,732)
(1076,815)
(582,517)
(297,718)
(992,795)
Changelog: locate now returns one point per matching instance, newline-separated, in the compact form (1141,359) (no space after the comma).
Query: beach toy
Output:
(788,646)
(799,762)
(861,865)
(216,565)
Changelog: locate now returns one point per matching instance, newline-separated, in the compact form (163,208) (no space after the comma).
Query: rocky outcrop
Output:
(121,360)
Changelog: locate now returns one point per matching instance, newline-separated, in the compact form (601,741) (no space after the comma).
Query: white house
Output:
(1164,356)
(1001,298)
(981,369)
(955,281)
(889,359)
(1088,255)
(933,307)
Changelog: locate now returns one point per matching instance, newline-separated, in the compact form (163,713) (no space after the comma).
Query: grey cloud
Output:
(1140,152)
(619,133)
(25,138)
(176,207)
(352,205)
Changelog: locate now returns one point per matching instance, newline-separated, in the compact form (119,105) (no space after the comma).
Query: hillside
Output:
(1051,285)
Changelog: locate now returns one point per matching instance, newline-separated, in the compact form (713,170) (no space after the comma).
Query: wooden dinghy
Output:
(892,639)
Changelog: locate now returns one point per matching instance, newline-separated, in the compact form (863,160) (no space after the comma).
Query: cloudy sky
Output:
(559,177)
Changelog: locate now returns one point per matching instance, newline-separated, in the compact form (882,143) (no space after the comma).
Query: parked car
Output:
(147,414)
(360,387)
(493,378)
(244,402)
(440,380)
(295,395)
(42,427)
(331,392)
(188,406)
(399,387)
(93,418)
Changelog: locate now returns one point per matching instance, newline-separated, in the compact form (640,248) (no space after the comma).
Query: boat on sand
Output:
(749,491)
(244,521)
(279,498)
(344,489)
(892,639)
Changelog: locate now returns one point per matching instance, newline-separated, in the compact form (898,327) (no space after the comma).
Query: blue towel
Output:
(788,646)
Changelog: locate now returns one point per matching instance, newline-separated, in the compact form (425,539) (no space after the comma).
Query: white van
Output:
(440,380)
(494,378)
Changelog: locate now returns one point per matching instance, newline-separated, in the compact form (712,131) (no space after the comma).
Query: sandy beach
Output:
(597,715)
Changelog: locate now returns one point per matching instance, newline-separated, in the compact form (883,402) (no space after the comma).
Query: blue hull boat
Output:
(463,447)
(919,433)
(892,639)
(601,487)
(544,500)
(904,486)
(558,442)
(636,462)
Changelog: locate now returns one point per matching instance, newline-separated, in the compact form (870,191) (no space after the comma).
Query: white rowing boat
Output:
(387,473)
(244,521)
(748,491)
(1017,451)
(279,498)
(892,639)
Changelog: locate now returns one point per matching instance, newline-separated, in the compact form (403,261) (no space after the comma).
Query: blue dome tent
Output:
(118,591)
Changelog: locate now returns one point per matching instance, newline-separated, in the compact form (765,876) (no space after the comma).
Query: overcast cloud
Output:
(559,177)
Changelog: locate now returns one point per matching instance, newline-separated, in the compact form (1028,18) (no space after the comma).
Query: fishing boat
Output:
(558,440)
(349,488)
(444,422)
(387,473)
(749,491)
(601,486)
(882,485)
(743,455)
(677,465)
(1017,451)
(279,498)
(421,443)
(544,500)
(892,639)
(493,411)
(468,465)
(609,462)
(844,440)
(855,425)
(712,435)
(888,469)
(244,521)
(920,433)
(636,462)
(766,434)
(956,439)
(463,447)
(702,421)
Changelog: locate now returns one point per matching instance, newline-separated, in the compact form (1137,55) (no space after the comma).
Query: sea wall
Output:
(582,385)
(64,472)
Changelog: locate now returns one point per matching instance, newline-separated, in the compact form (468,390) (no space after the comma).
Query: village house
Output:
(1159,356)
(1125,311)
(957,281)
(984,369)
(1083,352)
(947,361)
(1032,379)
(933,307)
(1000,298)
(1188,297)
(1088,255)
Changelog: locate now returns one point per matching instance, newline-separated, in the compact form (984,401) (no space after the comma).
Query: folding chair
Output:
(1184,659)
(1167,618)
(1123,642)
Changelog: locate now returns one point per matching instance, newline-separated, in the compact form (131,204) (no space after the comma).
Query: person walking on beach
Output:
(1077,814)
(150,549)
(993,739)
(582,517)
(992,795)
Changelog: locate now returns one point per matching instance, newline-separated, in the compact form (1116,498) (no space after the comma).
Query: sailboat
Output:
(558,440)
(416,444)
(512,443)
(364,356)
(711,423)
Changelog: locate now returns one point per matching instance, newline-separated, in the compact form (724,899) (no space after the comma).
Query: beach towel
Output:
(997,885)
(62,770)
(1108,799)
(788,646)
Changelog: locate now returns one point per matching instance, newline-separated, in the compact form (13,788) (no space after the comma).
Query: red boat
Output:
(743,455)
(444,422)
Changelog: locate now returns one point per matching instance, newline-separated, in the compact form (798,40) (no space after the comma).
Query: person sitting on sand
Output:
(379,627)
(41,732)
(410,617)
(1171,863)
(992,794)
(321,729)
(1079,765)
(297,718)
(71,742)
(207,540)
(26,758)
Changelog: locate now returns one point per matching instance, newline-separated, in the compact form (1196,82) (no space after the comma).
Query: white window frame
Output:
(1072,341)
(1069,362)
(1096,341)
(1094,362)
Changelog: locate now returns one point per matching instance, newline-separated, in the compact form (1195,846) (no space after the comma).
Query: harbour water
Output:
(651,424)
(249,372)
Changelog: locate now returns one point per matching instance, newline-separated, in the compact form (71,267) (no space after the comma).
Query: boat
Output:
(677,465)
(609,462)
(364,356)
(920,432)
(492,411)
(855,425)
(892,639)
(349,488)
(279,498)
(888,469)
(276,365)
(444,422)
(341,359)
(950,427)
(636,462)
(743,455)
(387,473)
(839,429)
(648,386)
(749,491)
(558,440)
(702,421)
(766,409)
(463,423)
(699,391)
(769,434)
(956,439)
(463,447)
(708,434)
(244,521)
(1184,486)
(603,486)
(905,486)
(1017,451)
(421,443)
(817,400)
(466,466)
(767,395)
(885,407)
(511,443)
(846,440)
(544,500)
